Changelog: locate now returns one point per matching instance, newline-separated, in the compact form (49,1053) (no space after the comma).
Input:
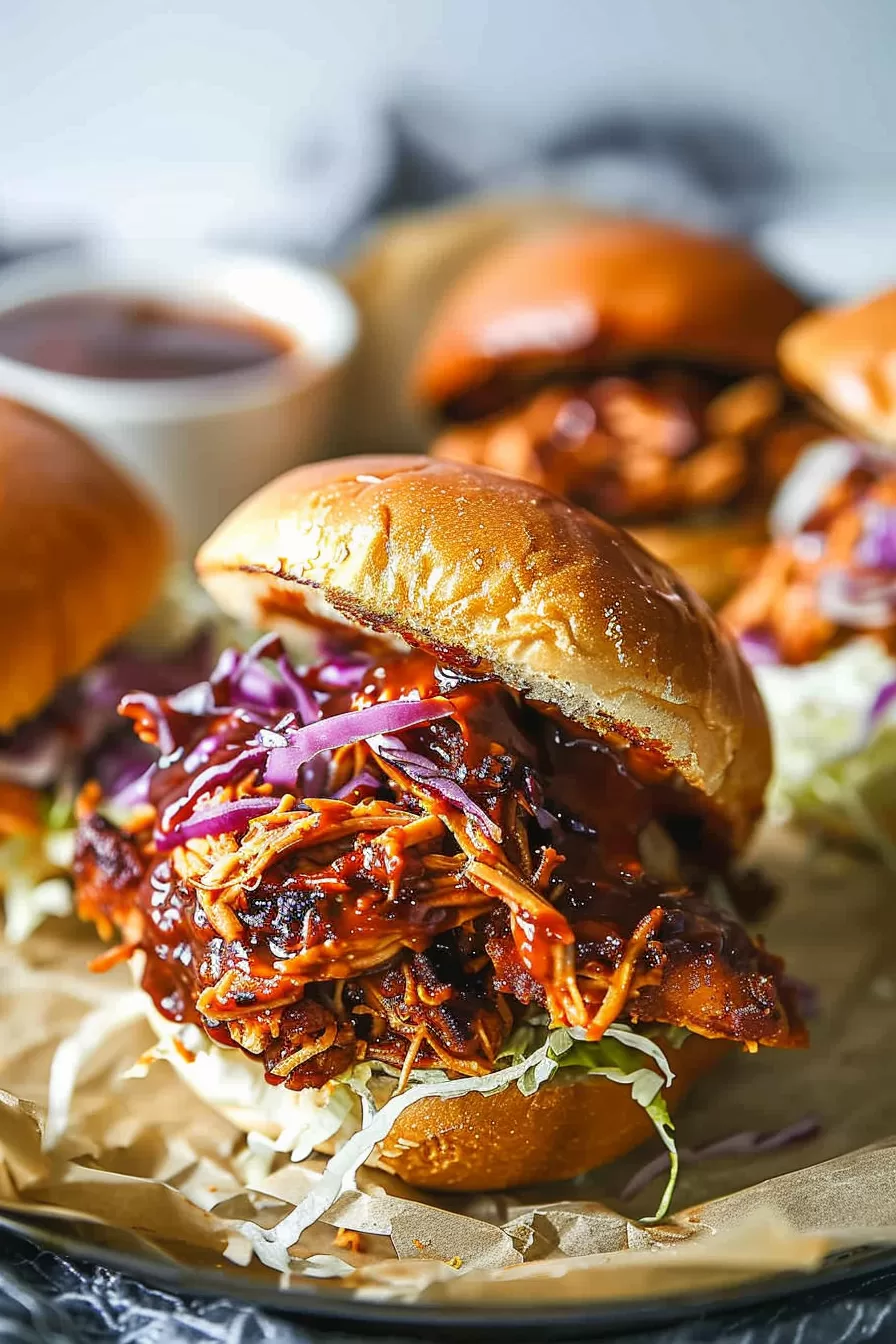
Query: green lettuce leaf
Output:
(565,1056)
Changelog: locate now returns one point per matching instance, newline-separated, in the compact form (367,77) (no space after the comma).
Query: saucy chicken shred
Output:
(409,895)
(657,443)
(828,579)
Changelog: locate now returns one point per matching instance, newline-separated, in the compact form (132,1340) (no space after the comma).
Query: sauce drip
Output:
(136,338)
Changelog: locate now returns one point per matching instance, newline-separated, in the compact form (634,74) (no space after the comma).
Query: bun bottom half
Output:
(479,1143)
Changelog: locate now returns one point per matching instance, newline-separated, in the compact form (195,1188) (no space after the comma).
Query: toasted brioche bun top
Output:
(601,294)
(81,557)
(845,358)
(498,575)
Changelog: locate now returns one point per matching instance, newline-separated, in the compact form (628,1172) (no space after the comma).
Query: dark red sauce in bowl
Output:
(137,338)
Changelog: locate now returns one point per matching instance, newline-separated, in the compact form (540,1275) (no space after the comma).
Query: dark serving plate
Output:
(334,1309)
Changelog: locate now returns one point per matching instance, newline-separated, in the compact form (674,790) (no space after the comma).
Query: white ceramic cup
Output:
(200,445)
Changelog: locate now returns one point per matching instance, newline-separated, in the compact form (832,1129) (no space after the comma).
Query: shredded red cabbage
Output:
(342,730)
(866,600)
(104,685)
(426,772)
(861,601)
(133,792)
(80,735)
(304,703)
(341,670)
(746,1143)
(291,748)
(363,781)
(759,648)
(253,685)
(885,697)
(314,775)
(238,766)
(215,821)
(118,770)
(877,546)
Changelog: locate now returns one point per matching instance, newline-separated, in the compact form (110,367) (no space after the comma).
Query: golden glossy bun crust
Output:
(491,572)
(846,359)
(81,557)
(598,295)
(504,1140)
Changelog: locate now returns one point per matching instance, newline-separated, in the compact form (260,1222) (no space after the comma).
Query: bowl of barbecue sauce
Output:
(135,338)
(204,376)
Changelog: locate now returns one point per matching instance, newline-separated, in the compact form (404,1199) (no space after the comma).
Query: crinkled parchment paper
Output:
(146,1164)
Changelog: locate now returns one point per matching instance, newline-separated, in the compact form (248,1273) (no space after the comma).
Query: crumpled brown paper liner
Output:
(147,1165)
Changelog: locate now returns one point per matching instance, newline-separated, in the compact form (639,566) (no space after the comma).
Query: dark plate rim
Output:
(332,1307)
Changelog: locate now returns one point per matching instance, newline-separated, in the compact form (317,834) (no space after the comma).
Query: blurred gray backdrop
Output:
(181,119)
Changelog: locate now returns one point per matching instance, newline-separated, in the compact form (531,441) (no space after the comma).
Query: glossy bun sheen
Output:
(602,295)
(845,358)
(81,557)
(495,574)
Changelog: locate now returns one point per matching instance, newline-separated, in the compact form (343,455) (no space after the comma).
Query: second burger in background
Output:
(818,617)
(453,889)
(630,367)
(82,557)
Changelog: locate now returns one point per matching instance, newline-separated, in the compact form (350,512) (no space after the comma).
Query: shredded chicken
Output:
(652,445)
(814,589)
(397,927)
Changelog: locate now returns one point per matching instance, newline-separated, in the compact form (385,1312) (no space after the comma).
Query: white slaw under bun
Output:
(471,1143)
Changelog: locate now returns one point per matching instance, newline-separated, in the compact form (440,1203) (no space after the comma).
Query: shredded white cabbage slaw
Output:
(34,879)
(355,1112)
(561,1048)
(832,764)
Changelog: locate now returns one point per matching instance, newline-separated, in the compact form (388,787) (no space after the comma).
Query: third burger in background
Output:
(630,367)
(818,618)
(464,887)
